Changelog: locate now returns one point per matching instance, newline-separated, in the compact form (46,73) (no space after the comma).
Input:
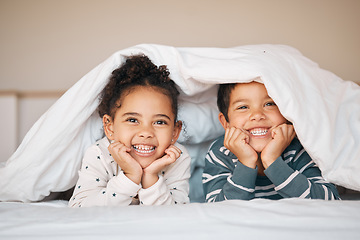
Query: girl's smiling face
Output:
(145,123)
(251,109)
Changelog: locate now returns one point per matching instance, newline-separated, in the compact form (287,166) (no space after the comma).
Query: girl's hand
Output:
(150,173)
(128,164)
(237,141)
(282,136)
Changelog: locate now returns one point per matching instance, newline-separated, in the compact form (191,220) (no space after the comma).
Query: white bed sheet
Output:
(235,219)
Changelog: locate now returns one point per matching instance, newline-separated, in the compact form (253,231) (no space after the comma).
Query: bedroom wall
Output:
(47,46)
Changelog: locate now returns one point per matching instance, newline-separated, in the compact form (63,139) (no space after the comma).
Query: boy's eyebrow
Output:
(244,99)
(238,100)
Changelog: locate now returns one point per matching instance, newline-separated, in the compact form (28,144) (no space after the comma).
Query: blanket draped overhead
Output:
(324,109)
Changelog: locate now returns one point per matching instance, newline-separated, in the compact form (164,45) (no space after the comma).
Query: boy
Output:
(259,156)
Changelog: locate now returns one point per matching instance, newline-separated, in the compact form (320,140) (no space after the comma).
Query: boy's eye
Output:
(270,104)
(242,107)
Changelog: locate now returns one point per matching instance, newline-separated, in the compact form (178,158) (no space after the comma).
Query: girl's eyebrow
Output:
(131,114)
(163,115)
(135,114)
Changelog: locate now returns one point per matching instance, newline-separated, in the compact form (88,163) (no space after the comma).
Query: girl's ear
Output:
(177,131)
(108,127)
(223,121)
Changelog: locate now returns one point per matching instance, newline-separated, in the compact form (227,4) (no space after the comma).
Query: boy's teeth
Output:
(258,132)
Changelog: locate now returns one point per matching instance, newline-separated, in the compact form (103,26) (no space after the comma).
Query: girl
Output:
(139,161)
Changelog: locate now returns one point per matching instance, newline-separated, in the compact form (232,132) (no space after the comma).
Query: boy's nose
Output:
(257,115)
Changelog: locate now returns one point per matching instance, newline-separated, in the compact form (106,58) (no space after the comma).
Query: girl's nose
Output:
(146,132)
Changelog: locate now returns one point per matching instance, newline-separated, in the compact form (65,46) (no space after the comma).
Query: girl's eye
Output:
(132,120)
(160,122)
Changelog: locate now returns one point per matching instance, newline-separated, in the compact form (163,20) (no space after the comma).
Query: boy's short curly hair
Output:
(138,70)
(223,98)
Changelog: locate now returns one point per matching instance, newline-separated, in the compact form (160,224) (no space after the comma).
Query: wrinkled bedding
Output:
(324,109)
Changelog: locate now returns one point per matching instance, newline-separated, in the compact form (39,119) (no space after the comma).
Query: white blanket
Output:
(324,109)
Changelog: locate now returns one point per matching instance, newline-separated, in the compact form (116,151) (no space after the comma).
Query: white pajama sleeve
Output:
(99,184)
(173,184)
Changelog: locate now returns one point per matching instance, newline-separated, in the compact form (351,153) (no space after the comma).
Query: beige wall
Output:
(49,45)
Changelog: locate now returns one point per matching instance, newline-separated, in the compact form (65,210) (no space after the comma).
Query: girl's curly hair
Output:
(138,70)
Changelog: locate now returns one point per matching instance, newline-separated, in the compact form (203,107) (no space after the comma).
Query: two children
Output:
(259,156)
(139,161)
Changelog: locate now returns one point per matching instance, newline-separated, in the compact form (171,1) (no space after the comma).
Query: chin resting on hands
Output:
(237,141)
(150,173)
(128,164)
(282,136)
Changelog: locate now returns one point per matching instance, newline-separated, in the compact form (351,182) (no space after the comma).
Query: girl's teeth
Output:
(144,149)
(258,132)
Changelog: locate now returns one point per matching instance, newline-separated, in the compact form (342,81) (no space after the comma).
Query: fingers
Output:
(116,147)
(237,141)
(173,152)
(233,135)
(284,131)
(121,155)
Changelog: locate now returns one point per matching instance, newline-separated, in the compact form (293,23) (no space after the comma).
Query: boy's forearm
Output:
(292,183)
(238,185)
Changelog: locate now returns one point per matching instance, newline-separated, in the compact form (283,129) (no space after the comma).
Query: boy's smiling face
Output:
(251,109)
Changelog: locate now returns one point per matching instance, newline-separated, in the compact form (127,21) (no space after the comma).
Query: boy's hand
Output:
(237,141)
(128,164)
(282,136)
(150,173)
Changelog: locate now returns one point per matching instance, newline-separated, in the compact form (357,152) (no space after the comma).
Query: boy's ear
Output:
(177,131)
(108,127)
(223,121)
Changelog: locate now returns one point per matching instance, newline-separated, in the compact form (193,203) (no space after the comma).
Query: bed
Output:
(258,219)
(38,177)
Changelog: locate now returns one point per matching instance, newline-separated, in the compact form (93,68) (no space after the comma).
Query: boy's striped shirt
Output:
(293,174)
